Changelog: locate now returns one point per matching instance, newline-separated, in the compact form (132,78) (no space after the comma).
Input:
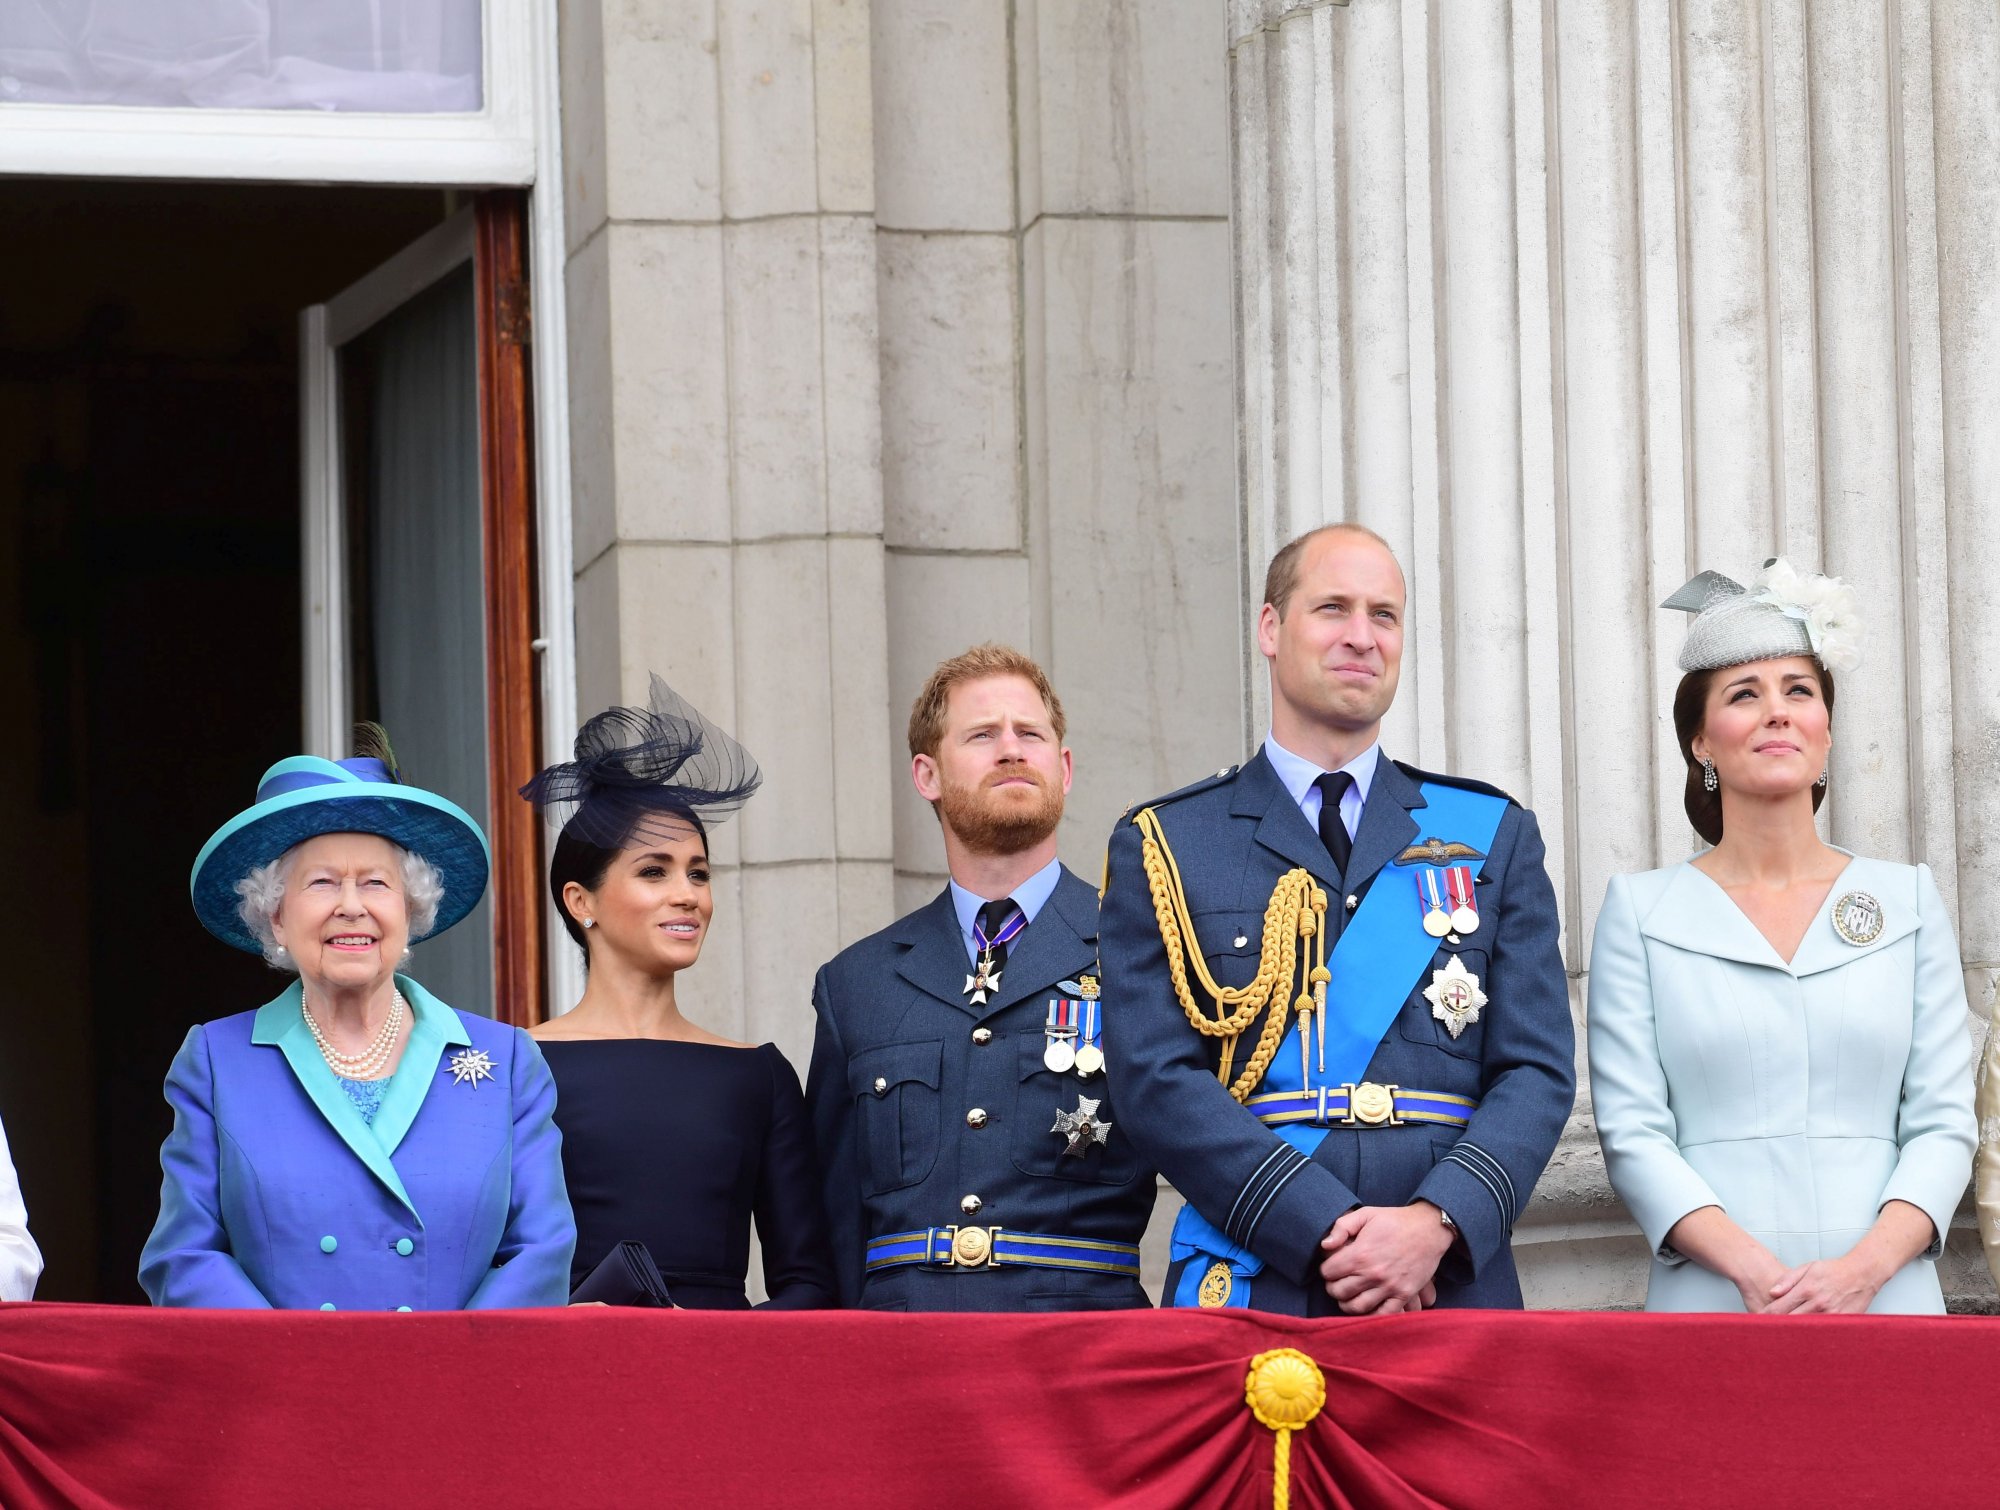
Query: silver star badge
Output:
(1454,996)
(976,986)
(1081,1127)
(470,1066)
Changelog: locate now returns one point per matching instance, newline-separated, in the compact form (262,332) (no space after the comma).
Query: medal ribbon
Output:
(1009,931)
(1093,1025)
(1459,879)
(1429,890)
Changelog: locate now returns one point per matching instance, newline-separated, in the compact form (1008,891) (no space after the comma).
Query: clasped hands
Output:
(1826,1287)
(1381,1259)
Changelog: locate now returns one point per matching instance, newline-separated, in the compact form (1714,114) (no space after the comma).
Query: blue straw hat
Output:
(305,796)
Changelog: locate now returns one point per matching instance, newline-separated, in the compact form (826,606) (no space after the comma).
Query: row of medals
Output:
(1062,1055)
(1460,920)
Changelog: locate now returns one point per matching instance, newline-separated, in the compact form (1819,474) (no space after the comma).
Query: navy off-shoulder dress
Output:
(681,1146)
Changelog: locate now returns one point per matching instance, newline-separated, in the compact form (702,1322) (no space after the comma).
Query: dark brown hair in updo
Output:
(1704,808)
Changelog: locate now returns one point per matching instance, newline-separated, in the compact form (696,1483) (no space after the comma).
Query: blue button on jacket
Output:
(277,1194)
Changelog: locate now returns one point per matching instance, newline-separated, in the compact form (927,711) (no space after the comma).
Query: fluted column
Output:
(1571,298)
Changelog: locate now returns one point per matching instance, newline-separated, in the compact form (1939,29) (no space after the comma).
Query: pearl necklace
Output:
(367,1064)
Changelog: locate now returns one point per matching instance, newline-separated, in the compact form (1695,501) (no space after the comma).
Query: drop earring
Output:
(1708,781)
(1822,777)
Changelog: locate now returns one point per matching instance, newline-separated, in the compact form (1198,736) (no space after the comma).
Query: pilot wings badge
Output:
(1435,851)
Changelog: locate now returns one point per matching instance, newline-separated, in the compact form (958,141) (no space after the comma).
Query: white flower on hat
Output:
(1825,605)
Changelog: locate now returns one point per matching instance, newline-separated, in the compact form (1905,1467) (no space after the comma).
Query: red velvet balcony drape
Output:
(104,1406)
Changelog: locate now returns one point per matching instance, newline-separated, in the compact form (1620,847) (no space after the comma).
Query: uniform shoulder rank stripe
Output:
(1193,788)
(1460,783)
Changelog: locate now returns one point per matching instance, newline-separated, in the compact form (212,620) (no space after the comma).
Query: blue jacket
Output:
(1233,837)
(902,1057)
(277,1193)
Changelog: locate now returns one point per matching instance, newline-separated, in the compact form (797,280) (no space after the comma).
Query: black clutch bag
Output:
(627,1276)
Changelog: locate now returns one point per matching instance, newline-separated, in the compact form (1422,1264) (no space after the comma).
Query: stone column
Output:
(1570,300)
(1057,440)
(726,432)
(1052,203)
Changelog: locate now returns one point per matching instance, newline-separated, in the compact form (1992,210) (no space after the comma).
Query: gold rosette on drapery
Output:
(1285,1390)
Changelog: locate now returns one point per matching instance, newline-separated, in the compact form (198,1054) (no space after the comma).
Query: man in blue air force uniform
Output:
(973,1159)
(1344,1032)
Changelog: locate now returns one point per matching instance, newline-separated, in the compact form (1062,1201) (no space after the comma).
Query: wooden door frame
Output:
(494,237)
(507,498)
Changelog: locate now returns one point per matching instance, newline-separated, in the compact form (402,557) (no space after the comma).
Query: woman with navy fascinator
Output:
(355,1143)
(675,1138)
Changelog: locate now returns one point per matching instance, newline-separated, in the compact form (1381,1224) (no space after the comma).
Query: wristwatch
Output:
(1445,1217)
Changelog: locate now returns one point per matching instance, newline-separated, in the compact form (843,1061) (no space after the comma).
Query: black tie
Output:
(1332,830)
(993,919)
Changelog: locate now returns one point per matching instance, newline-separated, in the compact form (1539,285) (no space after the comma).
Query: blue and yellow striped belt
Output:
(995,1247)
(1363,1105)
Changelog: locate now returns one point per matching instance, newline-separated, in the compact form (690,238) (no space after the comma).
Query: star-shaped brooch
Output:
(1081,1127)
(1454,996)
(470,1066)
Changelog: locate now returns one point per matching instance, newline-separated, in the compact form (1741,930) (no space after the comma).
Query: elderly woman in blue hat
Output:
(354,1144)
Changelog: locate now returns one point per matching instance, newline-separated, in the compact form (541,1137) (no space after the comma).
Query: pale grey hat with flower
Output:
(1784,611)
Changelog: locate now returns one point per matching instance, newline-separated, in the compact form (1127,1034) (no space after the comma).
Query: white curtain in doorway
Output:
(385,56)
(426,583)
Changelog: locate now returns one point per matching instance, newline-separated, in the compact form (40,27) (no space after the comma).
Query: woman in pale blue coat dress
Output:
(1778,1053)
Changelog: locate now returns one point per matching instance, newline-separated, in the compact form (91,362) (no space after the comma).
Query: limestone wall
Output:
(896,325)
(1572,299)
(725,430)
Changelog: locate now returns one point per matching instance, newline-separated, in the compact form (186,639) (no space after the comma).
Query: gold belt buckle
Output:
(972,1248)
(1372,1105)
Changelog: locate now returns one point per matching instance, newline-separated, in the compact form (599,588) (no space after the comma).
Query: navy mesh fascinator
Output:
(636,769)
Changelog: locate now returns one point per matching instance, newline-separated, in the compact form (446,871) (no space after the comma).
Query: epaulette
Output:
(1187,791)
(1464,782)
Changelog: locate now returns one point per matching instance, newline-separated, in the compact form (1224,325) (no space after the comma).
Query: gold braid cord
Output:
(1297,912)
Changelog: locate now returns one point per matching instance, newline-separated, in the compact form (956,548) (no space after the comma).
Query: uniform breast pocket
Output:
(1231,944)
(895,1088)
(1460,1002)
(1041,1098)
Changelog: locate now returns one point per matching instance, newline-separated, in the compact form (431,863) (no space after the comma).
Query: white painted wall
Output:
(1571,299)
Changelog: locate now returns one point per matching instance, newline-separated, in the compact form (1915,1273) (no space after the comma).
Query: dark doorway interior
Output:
(149,642)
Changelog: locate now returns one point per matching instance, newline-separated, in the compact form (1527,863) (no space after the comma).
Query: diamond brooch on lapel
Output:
(470,1066)
(1857,917)
(1455,996)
